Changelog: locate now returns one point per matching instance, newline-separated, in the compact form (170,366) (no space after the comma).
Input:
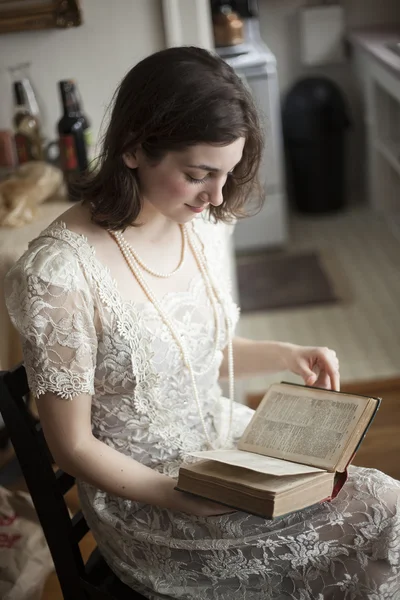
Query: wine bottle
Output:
(87,129)
(71,133)
(27,135)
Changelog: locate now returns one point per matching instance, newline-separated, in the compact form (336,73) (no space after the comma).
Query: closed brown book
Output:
(294,453)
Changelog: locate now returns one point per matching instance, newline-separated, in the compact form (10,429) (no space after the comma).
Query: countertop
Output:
(374,40)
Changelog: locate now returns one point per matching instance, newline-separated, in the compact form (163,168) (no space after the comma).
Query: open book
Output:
(293,453)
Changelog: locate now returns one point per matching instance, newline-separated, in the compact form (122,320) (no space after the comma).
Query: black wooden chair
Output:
(93,580)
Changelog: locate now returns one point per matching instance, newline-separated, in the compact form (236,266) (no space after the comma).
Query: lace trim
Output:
(60,381)
(146,399)
(128,319)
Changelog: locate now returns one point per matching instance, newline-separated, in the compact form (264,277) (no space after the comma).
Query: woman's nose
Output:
(216,196)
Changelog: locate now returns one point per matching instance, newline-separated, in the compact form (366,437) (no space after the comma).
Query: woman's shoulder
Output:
(56,256)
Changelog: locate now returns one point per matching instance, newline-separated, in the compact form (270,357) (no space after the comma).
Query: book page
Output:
(299,424)
(255,462)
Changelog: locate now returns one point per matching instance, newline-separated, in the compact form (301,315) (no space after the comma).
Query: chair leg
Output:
(4,438)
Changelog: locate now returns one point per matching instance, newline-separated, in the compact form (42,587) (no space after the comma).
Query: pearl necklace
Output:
(157,273)
(213,294)
(211,291)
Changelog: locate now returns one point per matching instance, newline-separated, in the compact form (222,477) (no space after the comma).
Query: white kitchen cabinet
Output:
(381,91)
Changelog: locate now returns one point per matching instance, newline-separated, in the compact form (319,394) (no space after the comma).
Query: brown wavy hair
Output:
(169,101)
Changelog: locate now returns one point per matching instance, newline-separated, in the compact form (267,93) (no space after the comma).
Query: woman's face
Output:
(185,183)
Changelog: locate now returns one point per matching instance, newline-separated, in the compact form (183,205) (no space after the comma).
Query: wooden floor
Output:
(380,449)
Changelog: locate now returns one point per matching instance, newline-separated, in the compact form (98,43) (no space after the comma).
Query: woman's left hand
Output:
(318,367)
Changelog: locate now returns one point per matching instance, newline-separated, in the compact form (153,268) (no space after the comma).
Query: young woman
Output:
(127,323)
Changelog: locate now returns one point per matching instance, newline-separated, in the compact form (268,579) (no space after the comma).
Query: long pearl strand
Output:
(157,273)
(213,294)
(211,290)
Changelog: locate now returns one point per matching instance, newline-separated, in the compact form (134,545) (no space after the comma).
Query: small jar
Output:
(228,27)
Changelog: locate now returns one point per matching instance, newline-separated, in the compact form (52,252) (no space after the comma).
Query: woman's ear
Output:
(130,159)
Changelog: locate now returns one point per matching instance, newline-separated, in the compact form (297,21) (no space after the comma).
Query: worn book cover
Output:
(293,453)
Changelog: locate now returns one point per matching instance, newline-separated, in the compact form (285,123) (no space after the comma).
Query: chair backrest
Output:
(46,486)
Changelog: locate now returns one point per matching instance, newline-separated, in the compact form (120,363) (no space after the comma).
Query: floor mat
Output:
(275,280)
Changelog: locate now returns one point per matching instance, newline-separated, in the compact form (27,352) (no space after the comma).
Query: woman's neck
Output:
(153,226)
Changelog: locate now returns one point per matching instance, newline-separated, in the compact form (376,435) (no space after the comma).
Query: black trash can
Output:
(315,118)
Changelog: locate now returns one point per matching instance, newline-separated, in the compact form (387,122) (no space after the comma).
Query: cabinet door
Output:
(265,92)
(188,23)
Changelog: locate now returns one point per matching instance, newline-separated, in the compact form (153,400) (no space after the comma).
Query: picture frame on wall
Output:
(30,15)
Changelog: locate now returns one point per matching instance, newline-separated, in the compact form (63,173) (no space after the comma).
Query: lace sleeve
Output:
(50,304)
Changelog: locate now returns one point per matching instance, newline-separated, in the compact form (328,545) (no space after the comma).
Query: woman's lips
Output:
(196,209)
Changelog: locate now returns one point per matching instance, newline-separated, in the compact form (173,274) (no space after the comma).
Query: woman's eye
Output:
(194,180)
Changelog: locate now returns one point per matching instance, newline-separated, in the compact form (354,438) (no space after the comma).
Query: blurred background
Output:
(326,77)
(320,263)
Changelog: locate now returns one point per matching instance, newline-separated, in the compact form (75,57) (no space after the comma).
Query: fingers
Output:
(323,381)
(335,380)
(319,367)
(329,363)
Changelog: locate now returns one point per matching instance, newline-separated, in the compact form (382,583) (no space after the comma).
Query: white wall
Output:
(114,36)
(279,29)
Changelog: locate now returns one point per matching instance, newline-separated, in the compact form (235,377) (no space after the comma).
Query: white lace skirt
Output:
(347,549)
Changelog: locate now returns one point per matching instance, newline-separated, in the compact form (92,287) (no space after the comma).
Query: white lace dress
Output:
(79,336)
